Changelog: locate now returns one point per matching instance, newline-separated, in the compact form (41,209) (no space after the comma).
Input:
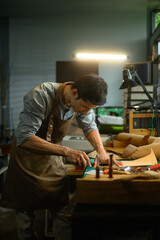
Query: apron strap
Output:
(53,111)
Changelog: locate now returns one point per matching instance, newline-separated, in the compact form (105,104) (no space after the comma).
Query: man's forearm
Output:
(95,140)
(39,145)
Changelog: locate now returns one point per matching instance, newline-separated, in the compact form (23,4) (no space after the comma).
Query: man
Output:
(36,175)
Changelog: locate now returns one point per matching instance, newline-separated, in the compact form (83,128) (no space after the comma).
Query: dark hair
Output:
(93,88)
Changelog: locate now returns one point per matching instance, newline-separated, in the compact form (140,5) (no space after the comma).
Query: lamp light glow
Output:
(98,56)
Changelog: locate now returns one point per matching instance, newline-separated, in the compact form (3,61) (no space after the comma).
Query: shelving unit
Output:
(135,97)
(141,123)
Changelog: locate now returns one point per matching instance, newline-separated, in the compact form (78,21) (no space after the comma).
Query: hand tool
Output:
(106,171)
(110,166)
(154,167)
(97,167)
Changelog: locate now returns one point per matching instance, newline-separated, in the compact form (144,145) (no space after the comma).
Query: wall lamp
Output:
(99,56)
(132,79)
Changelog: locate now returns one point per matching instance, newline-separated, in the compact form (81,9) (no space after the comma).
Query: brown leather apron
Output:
(38,181)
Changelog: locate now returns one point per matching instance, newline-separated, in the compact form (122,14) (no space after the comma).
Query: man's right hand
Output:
(78,158)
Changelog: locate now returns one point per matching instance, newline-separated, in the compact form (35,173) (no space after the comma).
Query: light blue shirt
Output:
(38,103)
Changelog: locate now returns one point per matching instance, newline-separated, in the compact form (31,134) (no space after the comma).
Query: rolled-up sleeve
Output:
(30,119)
(87,122)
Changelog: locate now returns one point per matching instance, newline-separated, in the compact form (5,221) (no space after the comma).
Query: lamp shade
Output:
(128,81)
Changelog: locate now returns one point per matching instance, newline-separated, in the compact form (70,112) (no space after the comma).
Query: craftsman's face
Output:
(79,105)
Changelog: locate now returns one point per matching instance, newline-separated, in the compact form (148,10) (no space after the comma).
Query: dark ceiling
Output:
(21,8)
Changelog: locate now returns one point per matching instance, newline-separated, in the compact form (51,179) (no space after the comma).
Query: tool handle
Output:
(155,167)
(97,171)
(106,171)
(110,166)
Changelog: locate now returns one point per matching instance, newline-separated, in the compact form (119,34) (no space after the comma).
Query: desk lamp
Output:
(128,82)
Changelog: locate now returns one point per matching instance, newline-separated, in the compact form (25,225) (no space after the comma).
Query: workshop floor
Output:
(8,230)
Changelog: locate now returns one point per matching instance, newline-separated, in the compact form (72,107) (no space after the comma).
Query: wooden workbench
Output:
(117,190)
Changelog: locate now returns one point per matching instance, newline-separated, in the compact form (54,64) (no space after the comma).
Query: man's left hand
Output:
(104,158)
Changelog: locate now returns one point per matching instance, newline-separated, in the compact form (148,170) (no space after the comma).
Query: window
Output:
(155,15)
(157,18)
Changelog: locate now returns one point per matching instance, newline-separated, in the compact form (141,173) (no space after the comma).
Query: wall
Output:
(37,43)
(4,78)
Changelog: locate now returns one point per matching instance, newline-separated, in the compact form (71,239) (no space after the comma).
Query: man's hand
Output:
(104,158)
(95,139)
(78,158)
